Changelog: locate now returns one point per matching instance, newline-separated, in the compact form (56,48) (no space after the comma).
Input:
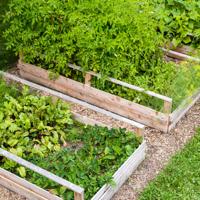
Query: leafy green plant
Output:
(9,90)
(7,57)
(32,125)
(116,38)
(90,157)
(180,179)
(41,131)
(181,20)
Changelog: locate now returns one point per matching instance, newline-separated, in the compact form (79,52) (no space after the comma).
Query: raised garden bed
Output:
(121,40)
(27,105)
(163,121)
(31,191)
(138,128)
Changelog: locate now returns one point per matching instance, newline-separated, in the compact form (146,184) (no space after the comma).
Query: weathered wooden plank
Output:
(139,127)
(122,174)
(42,172)
(78,196)
(87,121)
(130,86)
(167,108)
(180,56)
(23,187)
(97,97)
(183,109)
(88,78)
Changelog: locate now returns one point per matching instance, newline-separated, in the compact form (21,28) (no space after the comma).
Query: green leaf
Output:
(12,142)
(22,171)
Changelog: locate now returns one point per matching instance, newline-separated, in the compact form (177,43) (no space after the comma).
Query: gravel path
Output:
(160,148)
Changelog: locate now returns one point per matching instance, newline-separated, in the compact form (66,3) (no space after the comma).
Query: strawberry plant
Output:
(92,155)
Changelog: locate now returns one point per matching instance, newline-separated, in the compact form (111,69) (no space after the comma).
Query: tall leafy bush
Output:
(117,38)
(7,57)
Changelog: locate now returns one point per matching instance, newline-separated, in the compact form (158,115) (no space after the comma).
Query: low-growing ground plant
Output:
(180,21)
(43,132)
(90,158)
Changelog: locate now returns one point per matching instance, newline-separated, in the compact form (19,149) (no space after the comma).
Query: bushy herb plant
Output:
(116,38)
(7,57)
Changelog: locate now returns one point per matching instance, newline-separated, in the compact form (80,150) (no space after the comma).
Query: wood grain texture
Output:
(55,94)
(88,78)
(97,97)
(23,187)
(180,56)
(41,171)
(124,84)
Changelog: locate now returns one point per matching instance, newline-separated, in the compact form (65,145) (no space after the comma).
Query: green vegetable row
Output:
(43,132)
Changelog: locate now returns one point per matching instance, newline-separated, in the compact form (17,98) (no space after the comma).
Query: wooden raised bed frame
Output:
(33,192)
(163,121)
(102,99)
(138,128)
(177,54)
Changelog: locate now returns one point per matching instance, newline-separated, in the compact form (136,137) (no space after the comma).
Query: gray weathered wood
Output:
(42,172)
(71,99)
(167,108)
(179,56)
(183,109)
(87,121)
(122,174)
(23,187)
(118,82)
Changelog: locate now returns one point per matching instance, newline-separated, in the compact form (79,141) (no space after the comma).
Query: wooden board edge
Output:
(122,174)
(155,119)
(180,56)
(180,112)
(88,121)
(41,171)
(23,187)
(139,127)
(124,84)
